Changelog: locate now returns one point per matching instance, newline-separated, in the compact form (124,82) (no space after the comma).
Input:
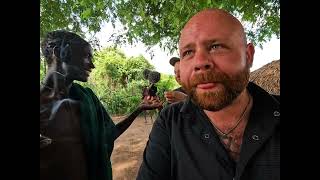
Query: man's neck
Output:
(226,118)
(55,79)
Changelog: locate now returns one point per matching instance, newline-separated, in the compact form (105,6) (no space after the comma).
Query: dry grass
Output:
(268,77)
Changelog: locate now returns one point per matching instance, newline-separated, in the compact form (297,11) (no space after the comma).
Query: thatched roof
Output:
(268,77)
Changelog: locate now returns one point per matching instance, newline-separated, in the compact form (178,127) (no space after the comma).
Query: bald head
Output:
(215,58)
(219,21)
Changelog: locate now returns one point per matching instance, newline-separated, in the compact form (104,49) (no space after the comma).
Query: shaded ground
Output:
(128,148)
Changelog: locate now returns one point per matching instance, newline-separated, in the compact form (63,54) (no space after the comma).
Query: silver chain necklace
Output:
(225,135)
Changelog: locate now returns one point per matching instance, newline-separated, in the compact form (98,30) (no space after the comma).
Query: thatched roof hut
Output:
(268,77)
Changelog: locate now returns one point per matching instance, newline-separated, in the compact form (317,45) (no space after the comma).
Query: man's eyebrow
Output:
(209,41)
(188,46)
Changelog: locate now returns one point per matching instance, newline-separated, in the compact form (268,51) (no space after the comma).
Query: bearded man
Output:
(228,128)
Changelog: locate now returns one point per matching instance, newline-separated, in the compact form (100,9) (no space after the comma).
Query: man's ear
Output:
(56,53)
(249,54)
(65,51)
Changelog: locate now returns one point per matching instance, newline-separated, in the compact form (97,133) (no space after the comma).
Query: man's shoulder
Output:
(85,89)
(276,97)
(262,94)
(172,112)
(173,107)
(168,115)
(79,91)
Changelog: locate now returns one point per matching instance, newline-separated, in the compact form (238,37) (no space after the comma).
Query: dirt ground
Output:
(126,157)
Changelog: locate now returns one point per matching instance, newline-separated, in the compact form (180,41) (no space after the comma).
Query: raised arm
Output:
(147,104)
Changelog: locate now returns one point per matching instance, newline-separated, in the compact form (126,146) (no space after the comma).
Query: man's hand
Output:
(174,96)
(150,103)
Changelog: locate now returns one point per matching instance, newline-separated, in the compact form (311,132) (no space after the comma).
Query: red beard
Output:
(232,86)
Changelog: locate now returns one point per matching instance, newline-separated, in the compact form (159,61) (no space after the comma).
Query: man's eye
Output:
(215,46)
(186,53)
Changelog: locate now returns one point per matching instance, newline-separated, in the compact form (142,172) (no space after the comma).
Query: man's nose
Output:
(203,61)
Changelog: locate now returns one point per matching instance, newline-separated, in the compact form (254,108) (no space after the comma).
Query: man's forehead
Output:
(205,34)
(210,22)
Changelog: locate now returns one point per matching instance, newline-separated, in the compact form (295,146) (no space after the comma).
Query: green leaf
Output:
(156,21)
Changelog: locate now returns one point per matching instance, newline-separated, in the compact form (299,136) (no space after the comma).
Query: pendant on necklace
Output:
(224,136)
